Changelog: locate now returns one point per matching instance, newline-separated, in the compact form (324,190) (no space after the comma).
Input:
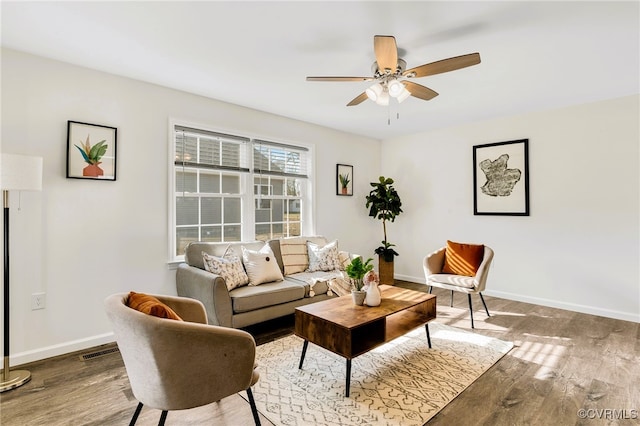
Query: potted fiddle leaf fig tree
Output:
(384,204)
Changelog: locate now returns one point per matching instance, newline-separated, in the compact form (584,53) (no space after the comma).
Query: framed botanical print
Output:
(91,151)
(344,179)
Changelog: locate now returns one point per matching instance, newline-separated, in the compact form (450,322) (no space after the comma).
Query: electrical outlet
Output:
(38,301)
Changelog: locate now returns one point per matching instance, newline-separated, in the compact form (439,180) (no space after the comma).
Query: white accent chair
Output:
(176,365)
(433,265)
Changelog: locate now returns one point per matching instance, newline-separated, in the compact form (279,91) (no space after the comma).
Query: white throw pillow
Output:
(228,267)
(262,266)
(323,258)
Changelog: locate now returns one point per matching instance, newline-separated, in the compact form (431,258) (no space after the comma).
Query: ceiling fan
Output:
(391,78)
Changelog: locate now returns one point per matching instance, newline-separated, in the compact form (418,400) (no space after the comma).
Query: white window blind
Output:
(210,150)
(272,158)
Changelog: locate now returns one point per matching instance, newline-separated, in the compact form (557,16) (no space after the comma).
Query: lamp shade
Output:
(404,94)
(383,99)
(374,91)
(20,172)
(395,88)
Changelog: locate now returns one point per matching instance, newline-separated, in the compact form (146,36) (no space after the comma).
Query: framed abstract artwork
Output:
(501,178)
(344,179)
(91,151)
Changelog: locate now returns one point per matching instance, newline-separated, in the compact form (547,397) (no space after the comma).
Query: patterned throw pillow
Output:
(262,266)
(294,255)
(228,267)
(323,258)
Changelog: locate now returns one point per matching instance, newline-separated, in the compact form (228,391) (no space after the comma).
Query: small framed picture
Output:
(91,151)
(501,178)
(344,179)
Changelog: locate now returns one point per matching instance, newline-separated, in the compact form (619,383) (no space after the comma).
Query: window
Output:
(280,174)
(220,192)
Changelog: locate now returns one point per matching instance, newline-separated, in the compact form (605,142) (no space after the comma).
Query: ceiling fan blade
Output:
(358,99)
(419,91)
(386,52)
(444,65)
(339,78)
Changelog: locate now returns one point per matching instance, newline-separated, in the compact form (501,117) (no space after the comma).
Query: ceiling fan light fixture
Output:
(404,94)
(395,88)
(374,92)
(383,99)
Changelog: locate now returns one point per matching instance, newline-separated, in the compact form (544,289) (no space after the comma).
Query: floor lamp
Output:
(17,173)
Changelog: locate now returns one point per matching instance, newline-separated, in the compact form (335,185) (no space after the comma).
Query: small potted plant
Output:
(356,271)
(344,182)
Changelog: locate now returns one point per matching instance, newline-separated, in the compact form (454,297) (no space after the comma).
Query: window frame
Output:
(247,179)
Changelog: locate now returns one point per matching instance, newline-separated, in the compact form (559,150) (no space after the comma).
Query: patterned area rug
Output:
(400,383)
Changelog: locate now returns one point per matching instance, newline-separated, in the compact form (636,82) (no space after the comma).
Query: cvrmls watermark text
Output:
(607,414)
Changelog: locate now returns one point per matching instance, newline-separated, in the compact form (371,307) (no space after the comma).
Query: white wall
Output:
(79,241)
(579,248)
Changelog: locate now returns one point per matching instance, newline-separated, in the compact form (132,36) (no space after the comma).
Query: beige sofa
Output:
(249,305)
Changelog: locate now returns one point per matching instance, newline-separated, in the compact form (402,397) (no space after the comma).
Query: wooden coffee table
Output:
(346,329)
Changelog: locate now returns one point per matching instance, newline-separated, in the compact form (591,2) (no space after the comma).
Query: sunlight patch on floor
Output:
(544,354)
(463,336)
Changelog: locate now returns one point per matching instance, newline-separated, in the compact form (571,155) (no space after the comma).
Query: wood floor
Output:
(562,362)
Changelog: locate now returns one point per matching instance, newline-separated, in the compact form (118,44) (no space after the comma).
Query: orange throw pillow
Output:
(151,306)
(462,259)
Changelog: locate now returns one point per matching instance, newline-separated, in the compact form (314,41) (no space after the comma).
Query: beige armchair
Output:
(176,365)
(433,265)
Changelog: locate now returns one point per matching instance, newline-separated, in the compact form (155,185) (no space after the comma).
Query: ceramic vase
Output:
(373,295)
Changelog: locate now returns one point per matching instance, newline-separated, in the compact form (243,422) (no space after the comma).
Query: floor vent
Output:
(96,354)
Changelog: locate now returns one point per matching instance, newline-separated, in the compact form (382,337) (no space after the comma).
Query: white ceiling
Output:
(535,55)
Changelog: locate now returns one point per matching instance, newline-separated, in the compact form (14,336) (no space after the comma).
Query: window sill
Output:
(173,264)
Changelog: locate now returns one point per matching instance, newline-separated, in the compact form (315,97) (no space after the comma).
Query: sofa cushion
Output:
(228,267)
(462,259)
(250,298)
(294,254)
(261,265)
(323,258)
(453,280)
(151,306)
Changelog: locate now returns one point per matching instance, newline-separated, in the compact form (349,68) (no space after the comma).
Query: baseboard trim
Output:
(408,278)
(574,307)
(60,349)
